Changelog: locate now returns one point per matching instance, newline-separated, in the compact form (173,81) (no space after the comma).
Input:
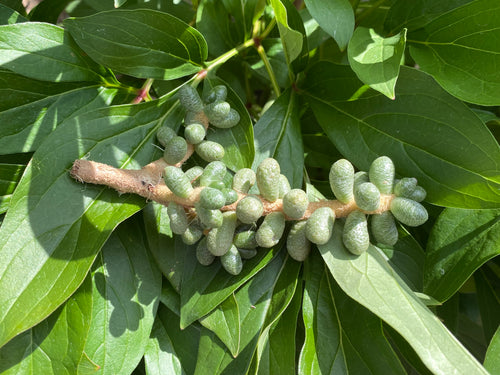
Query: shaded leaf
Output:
(375,59)
(276,57)
(411,130)
(488,295)
(10,174)
(9,16)
(459,243)
(142,43)
(48,10)
(492,360)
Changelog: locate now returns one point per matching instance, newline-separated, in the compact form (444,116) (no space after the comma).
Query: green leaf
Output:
(224,321)
(492,360)
(10,174)
(58,225)
(48,47)
(376,59)
(276,57)
(459,243)
(55,346)
(142,43)
(48,10)
(292,33)
(488,296)
(127,286)
(460,50)
(336,17)
(369,280)
(238,141)
(364,124)
(9,16)
(277,135)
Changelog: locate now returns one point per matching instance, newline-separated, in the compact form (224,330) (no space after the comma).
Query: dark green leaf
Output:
(369,280)
(292,33)
(16,5)
(277,135)
(48,10)
(179,9)
(459,243)
(364,124)
(127,287)
(10,174)
(336,17)
(9,16)
(375,59)
(492,360)
(460,50)
(48,47)
(315,34)
(58,224)
(142,43)
(488,295)
(56,345)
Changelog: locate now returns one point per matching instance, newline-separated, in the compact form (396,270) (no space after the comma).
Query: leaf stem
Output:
(211,65)
(262,53)
(143,93)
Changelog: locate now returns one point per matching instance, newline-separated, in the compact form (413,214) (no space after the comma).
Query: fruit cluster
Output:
(231,223)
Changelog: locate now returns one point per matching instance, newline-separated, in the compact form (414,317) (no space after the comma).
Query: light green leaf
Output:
(459,243)
(142,43)
(9,16)
(48,47)
(364,124)
(369,280)
(55,226)
(336,17)
(10,174)
(376,59)
(126,291)
(277,135)
(461,50)
(492,360)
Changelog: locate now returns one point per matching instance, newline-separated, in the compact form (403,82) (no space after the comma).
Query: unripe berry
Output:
(231,120)
(213,172)
(204,256)
(165,134)
(268,176)
(178,218)
(271,230)
(219,240)
(192,234)
(247,253)
(408,211)
(194,133)
(175,150)
(177,181)
(231,195)
(209,150)
(418,195)
(212,199)
(243,180)
(405,187)
(384,228)
(193,173)
(297,244)
(190,99)
(245,239)
(382,173)
(231,261)
(284,186)
(319,226)
(218,92)
(209,218)
(355,235)
(342,180)
(295,203)
(217,111)
(367,196)
(249,209)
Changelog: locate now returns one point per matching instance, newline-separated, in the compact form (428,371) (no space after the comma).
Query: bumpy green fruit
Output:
(284,186)
(190,99)
(194,133)
(384,228)
(217,111)
(191,118)
(297,244)
(367,196)
(419,194)
(268,176)
(231,261)
(271,230)
(231,120)
(177,181)
(219,240)
(165,134)
(245,239)
(382,173)
(193,173)
(175,150)
(408,211)
(243,180)
(209,150)
(231,195)
(209,218)
(355,235)
(219,185)
(204,256)
(295,203)
(249,209)
(178,218)
(360,177)
(247,253)
(192,234)
(213,172)
(212,199)
(342,180)
(405,187)
(218,92)
(320,225)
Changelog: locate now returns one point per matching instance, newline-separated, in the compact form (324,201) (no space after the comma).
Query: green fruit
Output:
(231,261)
(219,240)
(268,176)
(165,134)
(218,92)
(418,195)
(178,218)
(192,234)
(177,181)
(271,230)
(209,150)
(209,218)
(219,185)
(204,256)
(408,211)
(295,203)
(355,235)
(360,177)
(320,225)
(194,133)
(367,196)
(191,118)
(384,228)
(405,187)
(249,209)
(212,199)
(342,180)
(247,253)
(193,173)
(231,119)
(245,239)
(217,111)
(175,150)
(231,195)
(382,173)
(284,186)
(243,180)
(213,172)
(297,244)
(189,98)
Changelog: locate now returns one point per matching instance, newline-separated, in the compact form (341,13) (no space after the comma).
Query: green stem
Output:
(262,53)
(268,29)
(211,65)
(143,93)
(369,11)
